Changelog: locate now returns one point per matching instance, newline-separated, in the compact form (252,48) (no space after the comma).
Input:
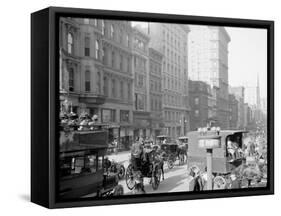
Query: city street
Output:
(176,179)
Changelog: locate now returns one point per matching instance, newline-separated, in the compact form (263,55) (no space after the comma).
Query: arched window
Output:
(70,43)
(97,49)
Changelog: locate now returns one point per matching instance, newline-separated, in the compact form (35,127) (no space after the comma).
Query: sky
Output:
(248,57)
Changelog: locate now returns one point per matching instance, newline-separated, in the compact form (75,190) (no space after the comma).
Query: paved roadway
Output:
(176,179)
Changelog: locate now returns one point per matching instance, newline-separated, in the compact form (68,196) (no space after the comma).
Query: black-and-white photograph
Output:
(149,107)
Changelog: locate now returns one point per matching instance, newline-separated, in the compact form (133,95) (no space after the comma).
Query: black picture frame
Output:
(45,106)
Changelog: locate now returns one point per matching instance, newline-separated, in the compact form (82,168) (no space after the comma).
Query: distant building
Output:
(234,110)
(239,94)
(199,100)
(171,40)
(208,62)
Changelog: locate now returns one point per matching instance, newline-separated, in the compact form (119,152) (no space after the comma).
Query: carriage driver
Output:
(137,154)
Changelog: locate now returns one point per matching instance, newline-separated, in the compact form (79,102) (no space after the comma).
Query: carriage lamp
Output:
(209,140)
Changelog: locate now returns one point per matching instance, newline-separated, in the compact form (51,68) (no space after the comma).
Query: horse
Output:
(156,158)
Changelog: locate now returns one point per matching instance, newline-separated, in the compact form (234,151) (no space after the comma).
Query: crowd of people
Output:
(71,121)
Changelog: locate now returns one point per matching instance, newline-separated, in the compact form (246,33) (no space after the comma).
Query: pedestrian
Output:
(115,144)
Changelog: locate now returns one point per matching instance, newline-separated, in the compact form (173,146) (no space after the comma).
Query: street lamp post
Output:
(209,139)
(209,157)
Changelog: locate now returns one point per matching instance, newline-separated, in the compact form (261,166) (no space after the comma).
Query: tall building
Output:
(171,40)
(96,72)
(155,91)
(208,62)
(141,92)
(253,98)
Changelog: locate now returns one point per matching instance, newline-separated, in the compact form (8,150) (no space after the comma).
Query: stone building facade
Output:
(171,40)
(96,72)
(155,91)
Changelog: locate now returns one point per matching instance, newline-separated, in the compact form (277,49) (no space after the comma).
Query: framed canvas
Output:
(138,107)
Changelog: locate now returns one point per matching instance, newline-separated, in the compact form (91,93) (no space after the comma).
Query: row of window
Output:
(109,57)
(155,85)
(172,39)
(171,84)
(172,55)
(173,116)
(155,104)
(109,115)
(117,87)
(173,100)
(171,69)
(110,31)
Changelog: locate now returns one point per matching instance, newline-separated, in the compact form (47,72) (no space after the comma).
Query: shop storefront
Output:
(142,125)
(126,137)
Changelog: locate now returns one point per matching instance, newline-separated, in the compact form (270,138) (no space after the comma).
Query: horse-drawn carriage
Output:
(169,153)
(82,170)
(150,166)
(173,150)
(227,162)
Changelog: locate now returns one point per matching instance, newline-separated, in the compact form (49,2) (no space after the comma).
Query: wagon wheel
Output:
(219,183)
(130,180)
(156,178)
(170,163)
(121,172)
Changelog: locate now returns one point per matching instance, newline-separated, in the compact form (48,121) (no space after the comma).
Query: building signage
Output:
(209,143)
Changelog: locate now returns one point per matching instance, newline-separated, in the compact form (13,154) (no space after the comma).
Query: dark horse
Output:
(156,158)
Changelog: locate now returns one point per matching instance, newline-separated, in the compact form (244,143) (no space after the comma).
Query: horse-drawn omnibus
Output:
(81,170)
(227,157)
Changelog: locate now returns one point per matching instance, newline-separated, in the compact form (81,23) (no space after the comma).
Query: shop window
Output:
(124,115)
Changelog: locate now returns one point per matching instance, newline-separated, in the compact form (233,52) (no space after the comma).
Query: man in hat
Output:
(137,154)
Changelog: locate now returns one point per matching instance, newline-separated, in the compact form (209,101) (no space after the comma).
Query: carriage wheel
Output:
(219,183)
(170,164)
(156,178)
(121,172)
(130,180)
